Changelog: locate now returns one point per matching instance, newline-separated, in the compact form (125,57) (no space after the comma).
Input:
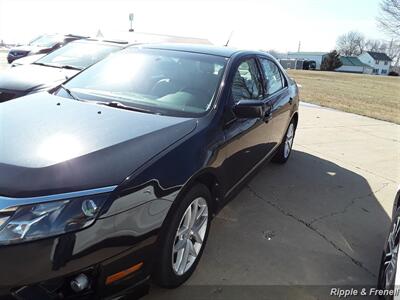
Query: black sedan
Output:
(113,178)
(42,44)
(54,68)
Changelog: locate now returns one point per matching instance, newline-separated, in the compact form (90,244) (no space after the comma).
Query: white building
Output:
(379,62)
(318,57)
(351,64)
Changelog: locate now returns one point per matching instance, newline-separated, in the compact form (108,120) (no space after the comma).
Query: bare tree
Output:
(393,51)
(351,43)
(274,53)
(331,61)
(376,45)
(391,48)
(389,19)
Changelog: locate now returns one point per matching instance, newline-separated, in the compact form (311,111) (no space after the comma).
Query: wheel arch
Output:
(208,178)
(295,118)
(396,203)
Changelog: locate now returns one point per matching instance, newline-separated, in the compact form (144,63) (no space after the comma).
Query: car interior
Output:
(175,83)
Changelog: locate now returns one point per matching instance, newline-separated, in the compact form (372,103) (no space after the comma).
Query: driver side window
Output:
(246,82)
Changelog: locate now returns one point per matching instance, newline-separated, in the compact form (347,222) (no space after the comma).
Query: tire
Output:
(168,272)
(391,246)
(285,148)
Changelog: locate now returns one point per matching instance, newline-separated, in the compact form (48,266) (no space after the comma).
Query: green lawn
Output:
(373,96)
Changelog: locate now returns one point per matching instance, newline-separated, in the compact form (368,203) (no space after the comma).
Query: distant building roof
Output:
(379,56)
(308,53)
(352,61)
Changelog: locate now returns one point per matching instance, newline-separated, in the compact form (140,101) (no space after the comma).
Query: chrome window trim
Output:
(8,202)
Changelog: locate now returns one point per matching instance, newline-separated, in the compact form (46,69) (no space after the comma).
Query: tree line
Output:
(354,43)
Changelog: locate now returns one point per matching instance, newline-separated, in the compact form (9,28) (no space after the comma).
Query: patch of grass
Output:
(368,95)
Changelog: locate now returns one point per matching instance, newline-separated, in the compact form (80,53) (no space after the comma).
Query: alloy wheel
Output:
(391,255)
(190,236)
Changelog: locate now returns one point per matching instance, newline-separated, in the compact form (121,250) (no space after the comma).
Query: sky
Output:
(254,24)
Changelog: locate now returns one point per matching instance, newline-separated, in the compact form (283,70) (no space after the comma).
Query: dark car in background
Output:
(43,44)
(54,68)
(113,177)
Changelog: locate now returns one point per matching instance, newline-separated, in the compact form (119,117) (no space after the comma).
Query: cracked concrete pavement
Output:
(318,221)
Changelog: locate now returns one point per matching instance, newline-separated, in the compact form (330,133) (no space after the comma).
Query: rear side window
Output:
(274,81)
(246,82)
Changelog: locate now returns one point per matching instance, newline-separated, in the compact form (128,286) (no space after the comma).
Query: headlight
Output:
(37,221)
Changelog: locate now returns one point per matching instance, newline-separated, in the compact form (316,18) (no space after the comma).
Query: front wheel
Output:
(387,278)
(184,238)
(284,150)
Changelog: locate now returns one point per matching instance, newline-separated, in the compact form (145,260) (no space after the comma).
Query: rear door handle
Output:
(290,100)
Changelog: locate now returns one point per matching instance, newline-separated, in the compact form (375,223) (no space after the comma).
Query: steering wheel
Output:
(200,98)
(163,87)
(192,90)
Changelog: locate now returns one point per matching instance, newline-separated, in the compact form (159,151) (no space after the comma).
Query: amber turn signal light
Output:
(118,276)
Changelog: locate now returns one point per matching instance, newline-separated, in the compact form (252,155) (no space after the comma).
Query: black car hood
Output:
(30,77)
(50,144)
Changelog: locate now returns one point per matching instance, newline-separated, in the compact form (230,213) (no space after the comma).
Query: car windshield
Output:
(78,55)
(45,41)
(160,81)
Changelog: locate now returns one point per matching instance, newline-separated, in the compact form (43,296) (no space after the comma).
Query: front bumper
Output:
(43,269)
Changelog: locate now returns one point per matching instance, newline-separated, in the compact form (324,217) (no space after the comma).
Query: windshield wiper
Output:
(68,67)
(70,93)
(42,64)
(117,104)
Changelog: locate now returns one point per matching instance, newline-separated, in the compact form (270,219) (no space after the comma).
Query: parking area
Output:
(320,220)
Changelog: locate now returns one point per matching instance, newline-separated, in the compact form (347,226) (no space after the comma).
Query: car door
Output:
(247,140)
(277,96)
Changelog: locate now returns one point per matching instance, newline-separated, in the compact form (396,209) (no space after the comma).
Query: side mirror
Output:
(248,109)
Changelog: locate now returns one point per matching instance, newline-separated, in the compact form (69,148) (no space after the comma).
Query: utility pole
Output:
(298,49)
(131,20)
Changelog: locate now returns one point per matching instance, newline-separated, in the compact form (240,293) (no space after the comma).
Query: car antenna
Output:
(229,39)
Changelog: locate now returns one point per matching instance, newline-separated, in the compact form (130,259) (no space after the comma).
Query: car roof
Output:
(120,43)
(203,49)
